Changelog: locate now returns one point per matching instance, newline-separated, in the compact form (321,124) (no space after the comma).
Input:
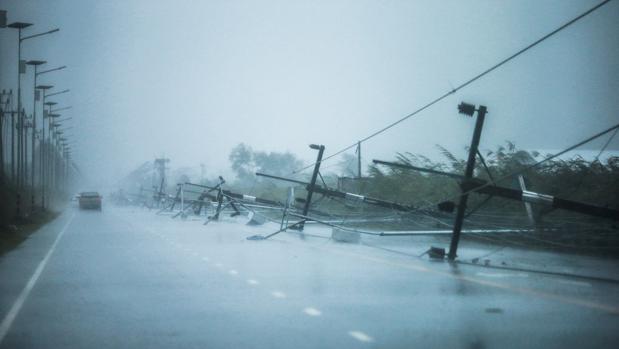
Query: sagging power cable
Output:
(461,86)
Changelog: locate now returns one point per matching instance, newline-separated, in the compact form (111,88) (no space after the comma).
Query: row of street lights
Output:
(54,151)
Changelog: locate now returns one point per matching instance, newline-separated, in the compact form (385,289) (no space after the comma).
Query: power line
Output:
(461,86)
(610,139)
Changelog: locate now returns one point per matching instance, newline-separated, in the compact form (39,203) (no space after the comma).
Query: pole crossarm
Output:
(237,196)
(484,187)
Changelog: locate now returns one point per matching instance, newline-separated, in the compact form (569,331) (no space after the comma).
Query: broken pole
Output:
(527,205)
(310,187)
(469,110)
(358,162)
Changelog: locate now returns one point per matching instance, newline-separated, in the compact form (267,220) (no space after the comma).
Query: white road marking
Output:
(360,336)
(252,282)
(5,326)
(233,272)
(205,259)
(502,275)
(278,294)
(312,311)
(575,283)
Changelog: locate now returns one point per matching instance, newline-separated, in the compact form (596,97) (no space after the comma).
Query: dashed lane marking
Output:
(312,311)
(252,282)
(278,294)
(360,336)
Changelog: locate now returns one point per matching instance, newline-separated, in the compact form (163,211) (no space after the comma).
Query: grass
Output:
(13,230)
(12,235)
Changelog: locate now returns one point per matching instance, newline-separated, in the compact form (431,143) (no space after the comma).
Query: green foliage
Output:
(577,179)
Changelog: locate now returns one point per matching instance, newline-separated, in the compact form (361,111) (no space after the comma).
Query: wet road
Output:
(126,278)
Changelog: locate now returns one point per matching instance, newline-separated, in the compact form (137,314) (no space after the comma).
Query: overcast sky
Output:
(191,79)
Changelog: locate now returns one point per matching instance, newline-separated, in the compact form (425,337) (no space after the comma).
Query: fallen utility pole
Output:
(220,197)
(344,195)
(238,196)
(232,198)
(483,187)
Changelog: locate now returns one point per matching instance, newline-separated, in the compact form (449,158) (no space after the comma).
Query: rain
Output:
(309,174)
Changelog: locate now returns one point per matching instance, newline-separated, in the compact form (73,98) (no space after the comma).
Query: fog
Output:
(189,80)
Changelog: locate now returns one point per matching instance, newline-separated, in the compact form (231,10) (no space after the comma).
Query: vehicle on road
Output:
(89,200)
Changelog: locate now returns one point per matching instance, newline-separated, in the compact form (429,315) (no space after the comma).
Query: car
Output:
(89,200)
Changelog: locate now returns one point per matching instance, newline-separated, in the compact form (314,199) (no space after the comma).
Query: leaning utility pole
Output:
(310,187)
(359,160)
(467,109)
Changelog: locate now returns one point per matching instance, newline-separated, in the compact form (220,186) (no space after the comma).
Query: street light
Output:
(44,88)
(19,26)
(47,168)
(36,64)
(21,70)
(42,147)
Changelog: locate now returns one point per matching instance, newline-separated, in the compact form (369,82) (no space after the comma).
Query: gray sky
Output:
(191,79)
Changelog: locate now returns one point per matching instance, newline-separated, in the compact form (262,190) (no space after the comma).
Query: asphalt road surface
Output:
(127,278)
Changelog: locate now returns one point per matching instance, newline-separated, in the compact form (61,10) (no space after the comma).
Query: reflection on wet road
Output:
(126,278)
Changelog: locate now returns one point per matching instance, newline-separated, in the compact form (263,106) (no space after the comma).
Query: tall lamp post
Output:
(46,167)
(36,64)
(57,165)
(44,88)
(51,153)
(21,70)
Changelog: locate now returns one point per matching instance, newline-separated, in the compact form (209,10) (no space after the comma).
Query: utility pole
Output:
(310,188)
(467,109)
(359,160)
